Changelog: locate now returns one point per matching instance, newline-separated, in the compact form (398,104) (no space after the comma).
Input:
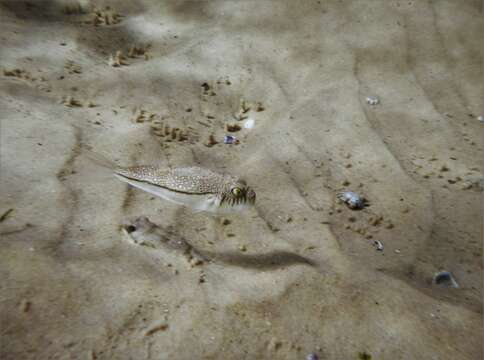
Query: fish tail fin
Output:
(100,160)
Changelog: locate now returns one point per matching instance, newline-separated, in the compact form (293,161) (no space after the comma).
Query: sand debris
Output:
(375,221)
(71,101)
(72,67)
(117,60)
(105,17)
(5,215)
(225,221)
(136,51)
(244,108)
(201,277)
(159,326)
(202,123)
(19,73)
(74,8)
(171,133)
(225,81)
(207,90)
(232,127)
(364,356)
(195,259)
(211,141)
(274,344)
(259,107)
(25,306)
(140,115)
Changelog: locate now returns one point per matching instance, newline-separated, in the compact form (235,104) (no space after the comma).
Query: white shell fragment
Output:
(353,200)
(249,123)
(372,100)
(445,279)
(481,118)
(378,244)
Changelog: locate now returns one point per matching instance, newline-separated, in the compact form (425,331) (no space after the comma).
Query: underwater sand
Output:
(300,273)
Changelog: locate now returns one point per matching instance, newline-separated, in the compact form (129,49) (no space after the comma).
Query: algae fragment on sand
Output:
(5,215)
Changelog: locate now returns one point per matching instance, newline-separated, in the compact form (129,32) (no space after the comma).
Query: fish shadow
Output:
(268,261)
(144,232)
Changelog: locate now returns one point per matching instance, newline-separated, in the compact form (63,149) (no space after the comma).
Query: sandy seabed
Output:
(162,82)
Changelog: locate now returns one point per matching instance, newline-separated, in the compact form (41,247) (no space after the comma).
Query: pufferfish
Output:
(198,188)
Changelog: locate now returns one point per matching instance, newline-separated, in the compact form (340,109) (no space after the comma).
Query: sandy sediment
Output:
(142,82)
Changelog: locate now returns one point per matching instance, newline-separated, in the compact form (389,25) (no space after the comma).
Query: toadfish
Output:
(197,188)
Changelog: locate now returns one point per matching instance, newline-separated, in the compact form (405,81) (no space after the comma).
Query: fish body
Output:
(197,188)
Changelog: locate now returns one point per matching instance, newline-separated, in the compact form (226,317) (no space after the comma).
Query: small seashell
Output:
(229,139)
(445,279)
(372,100)
(312,356)
(353,200)
(481,118)
(378,244)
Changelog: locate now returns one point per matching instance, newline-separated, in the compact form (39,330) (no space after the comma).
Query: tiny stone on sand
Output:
(249,123)
(372,100)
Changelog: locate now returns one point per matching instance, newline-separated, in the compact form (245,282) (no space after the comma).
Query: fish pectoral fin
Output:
(209,204)
(212,199)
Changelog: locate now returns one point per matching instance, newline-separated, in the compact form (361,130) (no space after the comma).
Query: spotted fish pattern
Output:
(189,180)
(195,187)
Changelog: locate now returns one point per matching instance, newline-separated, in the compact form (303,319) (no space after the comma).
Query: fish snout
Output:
(251,196)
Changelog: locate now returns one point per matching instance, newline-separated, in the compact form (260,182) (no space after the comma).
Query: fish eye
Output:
(130,229)
(236,191)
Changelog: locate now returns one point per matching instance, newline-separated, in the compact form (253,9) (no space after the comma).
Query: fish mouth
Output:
(251,196)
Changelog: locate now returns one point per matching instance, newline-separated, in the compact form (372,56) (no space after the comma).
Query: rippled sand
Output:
(300,274)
